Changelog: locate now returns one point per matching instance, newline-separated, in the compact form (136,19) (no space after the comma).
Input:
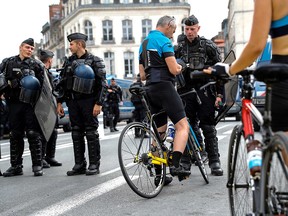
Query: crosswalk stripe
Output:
(81,198)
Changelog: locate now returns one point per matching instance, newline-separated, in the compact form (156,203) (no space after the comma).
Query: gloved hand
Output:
(182,63)
(221,70)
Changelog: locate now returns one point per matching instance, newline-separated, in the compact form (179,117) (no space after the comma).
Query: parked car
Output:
(127,108)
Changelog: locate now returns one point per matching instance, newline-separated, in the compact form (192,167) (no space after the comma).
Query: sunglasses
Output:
(172,19)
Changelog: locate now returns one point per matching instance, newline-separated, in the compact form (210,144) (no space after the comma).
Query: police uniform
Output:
(49,147)
(139,111)
(24,81)
(82,85)
(199,54)
(113,99)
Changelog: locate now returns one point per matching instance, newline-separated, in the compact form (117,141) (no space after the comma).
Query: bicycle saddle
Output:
(271,73)
(137,90)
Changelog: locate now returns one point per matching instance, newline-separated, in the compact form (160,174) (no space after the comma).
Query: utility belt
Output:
(149,82)
(79,96)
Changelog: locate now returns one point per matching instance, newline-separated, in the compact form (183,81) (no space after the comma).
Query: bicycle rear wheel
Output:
(194,152)
(239,184)
(274,178)
(134,144)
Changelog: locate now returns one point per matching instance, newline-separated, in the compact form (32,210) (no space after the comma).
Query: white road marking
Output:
(81,198)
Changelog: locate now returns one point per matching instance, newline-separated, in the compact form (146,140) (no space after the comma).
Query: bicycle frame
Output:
(157,160)
(249,111)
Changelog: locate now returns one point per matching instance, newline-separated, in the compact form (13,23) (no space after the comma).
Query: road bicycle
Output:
(143,155)
(264,192)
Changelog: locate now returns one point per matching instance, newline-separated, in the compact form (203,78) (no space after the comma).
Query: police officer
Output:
(49,148)
(83,86)
(200,53)
(139,111)
(114,97)
(21,81)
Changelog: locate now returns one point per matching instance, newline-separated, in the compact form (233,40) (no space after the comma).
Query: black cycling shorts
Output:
(279,106)
(163,96)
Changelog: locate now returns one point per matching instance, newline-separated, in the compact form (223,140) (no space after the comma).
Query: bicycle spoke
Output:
(135,163)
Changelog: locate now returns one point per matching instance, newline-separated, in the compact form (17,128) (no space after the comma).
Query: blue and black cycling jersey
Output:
(152,53)
(279,27)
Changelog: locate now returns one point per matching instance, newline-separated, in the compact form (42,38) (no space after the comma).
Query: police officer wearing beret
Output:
(21,79)
(114,97)
(199,53)
(83,86)
(49,147)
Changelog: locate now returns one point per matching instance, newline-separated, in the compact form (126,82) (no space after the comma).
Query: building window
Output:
(125,1)
(109,62)
(107,31)
(88,30)
(129,64)
(85,2)
(127,31)
(146,28)
(144,1)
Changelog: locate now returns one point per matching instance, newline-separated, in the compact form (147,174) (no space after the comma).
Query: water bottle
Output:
(170,133)
(254,157)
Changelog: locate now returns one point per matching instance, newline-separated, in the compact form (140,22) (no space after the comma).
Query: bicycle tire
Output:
(136,166)
(274,178)
(195,154)
(238,184)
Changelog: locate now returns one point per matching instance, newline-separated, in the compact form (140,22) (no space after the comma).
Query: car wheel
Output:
(238,116)
(129,121)
(67,128)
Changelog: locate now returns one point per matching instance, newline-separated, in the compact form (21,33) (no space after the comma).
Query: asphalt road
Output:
(107,193)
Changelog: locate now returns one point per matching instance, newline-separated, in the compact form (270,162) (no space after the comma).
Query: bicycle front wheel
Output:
(134,146)
(274,176)
(239,184)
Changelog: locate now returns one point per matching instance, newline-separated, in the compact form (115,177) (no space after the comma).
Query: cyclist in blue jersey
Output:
(158,66)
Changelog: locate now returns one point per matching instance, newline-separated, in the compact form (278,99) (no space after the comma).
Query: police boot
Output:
(211,143)
(44,146)
(51,149)
(16,143)
(104,121)
(35,146)
(115,121)
(79,151)
(137,133)
(13,171)
(112,129)
(93,151)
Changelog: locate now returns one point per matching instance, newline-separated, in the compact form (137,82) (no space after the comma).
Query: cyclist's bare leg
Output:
(181,135)
(285,153)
